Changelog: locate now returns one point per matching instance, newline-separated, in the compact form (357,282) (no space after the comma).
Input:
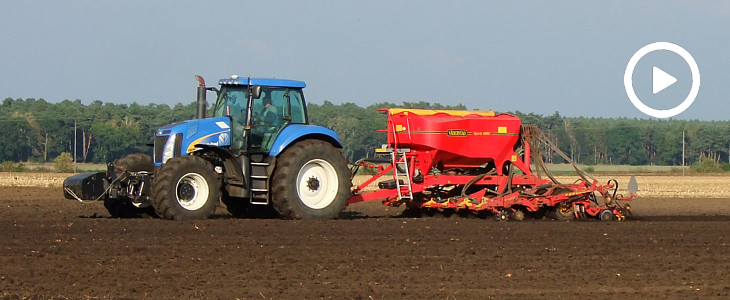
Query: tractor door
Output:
(275,109)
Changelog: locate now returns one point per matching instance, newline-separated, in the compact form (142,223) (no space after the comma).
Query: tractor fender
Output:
(230,164)
(296,132)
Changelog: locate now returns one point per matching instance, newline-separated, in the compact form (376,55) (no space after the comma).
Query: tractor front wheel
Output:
(186,188)
(311,181)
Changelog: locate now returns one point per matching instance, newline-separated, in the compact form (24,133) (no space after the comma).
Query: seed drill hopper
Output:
(476,162)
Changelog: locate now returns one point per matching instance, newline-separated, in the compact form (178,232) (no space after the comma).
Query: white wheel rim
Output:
(192,191)
(317,184)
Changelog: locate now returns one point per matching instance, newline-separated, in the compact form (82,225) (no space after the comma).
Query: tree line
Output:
(34,130)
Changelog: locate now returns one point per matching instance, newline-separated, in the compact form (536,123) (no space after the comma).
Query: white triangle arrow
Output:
(662,80)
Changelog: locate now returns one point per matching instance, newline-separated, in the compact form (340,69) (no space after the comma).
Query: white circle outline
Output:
(629,85)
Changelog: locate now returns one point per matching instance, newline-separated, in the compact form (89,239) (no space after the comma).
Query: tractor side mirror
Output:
(256,91)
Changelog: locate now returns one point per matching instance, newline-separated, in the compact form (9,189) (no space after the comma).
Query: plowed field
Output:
(56,248)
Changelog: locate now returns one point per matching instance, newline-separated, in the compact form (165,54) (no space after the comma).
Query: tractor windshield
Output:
(232,101)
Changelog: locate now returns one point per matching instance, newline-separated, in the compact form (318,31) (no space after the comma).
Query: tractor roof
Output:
(235,80)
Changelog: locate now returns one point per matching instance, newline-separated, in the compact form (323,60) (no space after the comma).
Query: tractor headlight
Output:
(169,150)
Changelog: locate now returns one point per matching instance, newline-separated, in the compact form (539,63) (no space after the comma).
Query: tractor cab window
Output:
(279,105)
(296,106)
(271,112)
(276,108)
(267,110)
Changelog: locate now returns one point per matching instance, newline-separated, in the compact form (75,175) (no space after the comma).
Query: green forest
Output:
(34,130)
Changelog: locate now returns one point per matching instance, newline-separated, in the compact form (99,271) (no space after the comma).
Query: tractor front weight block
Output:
(85,186)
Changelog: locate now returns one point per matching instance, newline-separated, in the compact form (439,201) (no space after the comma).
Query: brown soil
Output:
(57,248)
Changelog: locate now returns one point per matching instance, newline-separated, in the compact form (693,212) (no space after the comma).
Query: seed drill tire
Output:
(181,178)
(606,215)
(561,212)
(302,172)
(123,207)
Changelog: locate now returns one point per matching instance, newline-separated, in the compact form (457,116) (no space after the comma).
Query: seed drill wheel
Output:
(606,215)
(518,215)
(311,181)
(186,188)
(562,212)
(123,207)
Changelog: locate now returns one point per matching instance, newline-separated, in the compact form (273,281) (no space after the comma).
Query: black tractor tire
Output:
(311,181)
(186,188)
(135,162)
(122,207)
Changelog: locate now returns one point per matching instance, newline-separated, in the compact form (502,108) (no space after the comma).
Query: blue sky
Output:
(531,56)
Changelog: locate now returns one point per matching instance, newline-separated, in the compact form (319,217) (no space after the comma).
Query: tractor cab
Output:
(259,109)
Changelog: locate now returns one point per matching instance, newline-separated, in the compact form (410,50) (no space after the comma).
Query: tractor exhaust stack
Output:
(202,104)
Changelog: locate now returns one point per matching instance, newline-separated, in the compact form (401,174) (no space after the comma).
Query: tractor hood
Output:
(180,138)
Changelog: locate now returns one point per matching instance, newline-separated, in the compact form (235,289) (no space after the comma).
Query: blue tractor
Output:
(257,154)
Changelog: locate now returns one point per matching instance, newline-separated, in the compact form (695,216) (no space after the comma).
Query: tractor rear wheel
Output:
(311,181)
(186,188)
(122,207)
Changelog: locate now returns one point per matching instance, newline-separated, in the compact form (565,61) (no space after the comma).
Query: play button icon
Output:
(661,80)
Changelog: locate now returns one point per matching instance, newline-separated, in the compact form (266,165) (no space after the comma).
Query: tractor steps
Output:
(259,183)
